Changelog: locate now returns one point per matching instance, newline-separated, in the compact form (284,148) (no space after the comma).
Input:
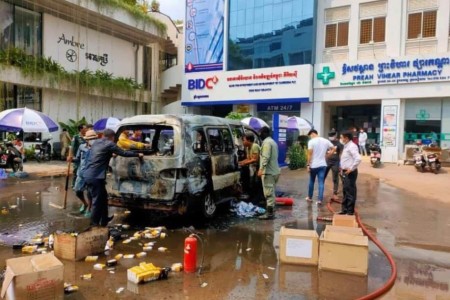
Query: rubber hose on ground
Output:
(388,285)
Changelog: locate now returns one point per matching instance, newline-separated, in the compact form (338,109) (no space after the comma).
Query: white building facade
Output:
(384,66)
(95,42)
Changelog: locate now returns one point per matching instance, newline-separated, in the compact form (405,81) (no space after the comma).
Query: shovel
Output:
(65,190)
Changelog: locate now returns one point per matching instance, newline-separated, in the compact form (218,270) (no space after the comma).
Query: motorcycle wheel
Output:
(38,158)
(434,168)
(17,167)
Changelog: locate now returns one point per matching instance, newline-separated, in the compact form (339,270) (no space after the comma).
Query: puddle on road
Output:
(237,252)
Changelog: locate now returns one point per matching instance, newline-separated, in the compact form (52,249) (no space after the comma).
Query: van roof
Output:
(177,119)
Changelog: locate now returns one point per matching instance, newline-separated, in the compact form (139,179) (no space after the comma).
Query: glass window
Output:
(372,30)
(28,31)
(215,140)
(29,97)
(286,25)
(7,100)
(422,24)
(7,26)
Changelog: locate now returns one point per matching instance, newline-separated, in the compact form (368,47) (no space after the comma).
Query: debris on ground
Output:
(86,276)
(265,276)
(176,267)
(99,267)
(120,290)
(204,284)
(146,272)
(247,210)
(70,288)
(91,258)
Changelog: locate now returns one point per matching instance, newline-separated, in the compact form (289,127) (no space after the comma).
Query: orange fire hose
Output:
(388,285)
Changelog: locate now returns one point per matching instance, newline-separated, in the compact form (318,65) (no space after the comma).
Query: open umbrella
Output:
(301,124)
(26,119)
(255,123)
(106,123)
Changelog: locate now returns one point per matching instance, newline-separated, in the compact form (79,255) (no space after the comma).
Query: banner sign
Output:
(390,71)
(389,134)
(204,33)
(286,84)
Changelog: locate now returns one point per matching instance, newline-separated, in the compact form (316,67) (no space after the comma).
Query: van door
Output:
(224,165)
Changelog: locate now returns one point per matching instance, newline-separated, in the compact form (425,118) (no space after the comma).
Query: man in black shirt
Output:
(95,174)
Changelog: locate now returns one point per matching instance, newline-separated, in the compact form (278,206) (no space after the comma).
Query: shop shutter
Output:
(337,14)
(421,4)
(372,9)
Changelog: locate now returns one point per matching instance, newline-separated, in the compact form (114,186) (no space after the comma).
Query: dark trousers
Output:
(349,187)
(97,189)
(335,172)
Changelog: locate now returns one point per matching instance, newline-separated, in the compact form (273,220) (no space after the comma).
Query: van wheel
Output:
(209,207)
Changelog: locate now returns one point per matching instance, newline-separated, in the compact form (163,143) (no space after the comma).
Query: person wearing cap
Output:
(80,184)
(95,174)
(77,140)
(318,149)
(333,161)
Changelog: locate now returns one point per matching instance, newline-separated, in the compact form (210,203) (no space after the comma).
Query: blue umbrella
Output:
(26,119)
(106,123)
(255,123)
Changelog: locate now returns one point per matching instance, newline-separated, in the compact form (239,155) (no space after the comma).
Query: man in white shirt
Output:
(350,160)
(362,139)
(317,163)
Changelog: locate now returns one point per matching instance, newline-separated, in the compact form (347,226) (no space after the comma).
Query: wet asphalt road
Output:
(239,251)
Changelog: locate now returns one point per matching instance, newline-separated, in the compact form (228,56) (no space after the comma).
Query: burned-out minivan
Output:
(190,164)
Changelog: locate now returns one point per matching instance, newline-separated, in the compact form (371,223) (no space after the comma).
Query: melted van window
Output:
(154,140)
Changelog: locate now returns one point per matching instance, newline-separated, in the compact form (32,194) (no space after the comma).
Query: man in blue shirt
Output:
(95,174)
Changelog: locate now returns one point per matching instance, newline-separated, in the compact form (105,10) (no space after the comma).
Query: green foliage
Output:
(155,5)
(72,125)
(139,11)
(10,136)
(237,116)
(30,152)
(297,157)
(36,66)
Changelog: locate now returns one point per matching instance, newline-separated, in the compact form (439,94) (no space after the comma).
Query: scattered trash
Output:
(204,284)
(91,258)
(149,244)
(146,272)
(99,266)
(127,212)
(127,241)
(141,254)
(29,249)
(271,268)
(42,250)
(147,248)
(248,249)
(12,206)
(69,288)
(126,226)
(86,276)
(5,211)
(109,244)
(177,267)
(265,276)
(162,249)
(51,241)
(128,256)
(247,210)
(111,262)
(118,256)
(162,235)
(120,290)
(19,245)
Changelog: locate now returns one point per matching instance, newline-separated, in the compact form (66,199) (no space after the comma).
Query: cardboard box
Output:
(299,246)
(37,277)
(344,229)
(344,220)
(86,243)
(343,252)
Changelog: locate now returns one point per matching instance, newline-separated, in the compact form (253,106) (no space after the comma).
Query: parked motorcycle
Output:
(427,158)
(43,151)
(10,158)
(375,155)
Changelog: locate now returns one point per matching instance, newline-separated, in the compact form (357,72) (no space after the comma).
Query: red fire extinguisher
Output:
(190,254)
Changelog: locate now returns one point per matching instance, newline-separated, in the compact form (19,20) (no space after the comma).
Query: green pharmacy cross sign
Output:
(325,75)
(422,115)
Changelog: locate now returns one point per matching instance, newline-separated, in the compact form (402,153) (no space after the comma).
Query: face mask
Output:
(342,141)
(332,138)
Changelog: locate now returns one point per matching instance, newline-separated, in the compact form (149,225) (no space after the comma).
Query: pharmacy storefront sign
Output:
(390,71)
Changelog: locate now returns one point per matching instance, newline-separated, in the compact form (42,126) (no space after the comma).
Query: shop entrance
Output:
(347,117)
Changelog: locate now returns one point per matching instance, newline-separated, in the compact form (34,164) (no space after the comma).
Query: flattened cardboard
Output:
(37,277)
(299,246)
(344,220)
(342,252)
(87,243)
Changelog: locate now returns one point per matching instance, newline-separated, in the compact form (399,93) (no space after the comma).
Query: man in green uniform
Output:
(269,171)
(77,140)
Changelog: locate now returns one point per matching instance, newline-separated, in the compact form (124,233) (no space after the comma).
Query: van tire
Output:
(209,206)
